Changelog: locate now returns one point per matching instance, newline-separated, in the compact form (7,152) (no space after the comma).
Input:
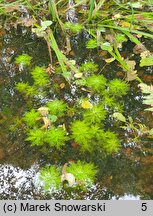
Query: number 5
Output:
(144,206)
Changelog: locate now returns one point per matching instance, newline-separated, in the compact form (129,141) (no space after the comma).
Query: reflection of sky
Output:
(22,184)
(14,182)
(127,197)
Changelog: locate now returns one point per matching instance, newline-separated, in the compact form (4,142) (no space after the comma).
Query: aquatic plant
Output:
(82,134)
(96,82)
(92,44)
(108,141)
(40,76)
(55,137)
(36,137)
(95,115)
(57,107)
(89,67)
(25,88)
(50,177)
(23,59)
(84,173)
(118,87)
(30,118)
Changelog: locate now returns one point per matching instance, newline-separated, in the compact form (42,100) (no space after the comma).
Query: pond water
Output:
(126,175)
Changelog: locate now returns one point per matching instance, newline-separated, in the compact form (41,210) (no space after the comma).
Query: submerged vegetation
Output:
(72,106)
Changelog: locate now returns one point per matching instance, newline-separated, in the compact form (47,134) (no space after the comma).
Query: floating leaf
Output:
(86,105)
(62,85)
(131,75)
(68,177)
(131,64)
(78,75)
(43,111)
(119,116)
(109,60)
(47,123)
(139,48)
(148,61)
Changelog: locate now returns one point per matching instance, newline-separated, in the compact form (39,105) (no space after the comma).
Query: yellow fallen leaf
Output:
(43,111)
(86,105)
(62,85)
(109,60)
(69,177)
(47,123)
(78,75)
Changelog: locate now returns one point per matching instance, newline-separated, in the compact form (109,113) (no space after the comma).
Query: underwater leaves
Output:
(118,87)
(51,178)
(82,134)
(26,89)
(40,76)
(30,118)
(36,137)
(89,67)
(96,82)
(23,59)
(108,141)
(55,137)
(57,107)
(96,115)
(84,172)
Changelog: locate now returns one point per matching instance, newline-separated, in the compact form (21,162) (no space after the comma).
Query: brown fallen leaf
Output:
(50,69)
(62,85)
(43,111)
(131,75)
(139,48)
(47,123)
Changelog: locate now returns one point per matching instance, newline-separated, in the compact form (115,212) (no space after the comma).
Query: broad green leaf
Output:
(148,61)
(119,116)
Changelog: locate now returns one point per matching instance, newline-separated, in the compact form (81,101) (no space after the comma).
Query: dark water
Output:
(126,175)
